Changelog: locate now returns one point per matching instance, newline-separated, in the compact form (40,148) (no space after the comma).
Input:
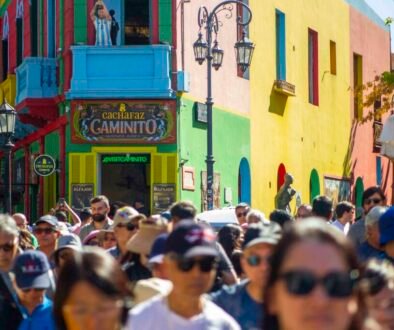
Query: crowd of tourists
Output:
(113,267)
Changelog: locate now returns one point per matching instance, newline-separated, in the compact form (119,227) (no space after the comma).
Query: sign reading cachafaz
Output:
(152,122)
(126,159)
(44,165)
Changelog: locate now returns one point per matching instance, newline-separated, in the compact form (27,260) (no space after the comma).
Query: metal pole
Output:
(210,160)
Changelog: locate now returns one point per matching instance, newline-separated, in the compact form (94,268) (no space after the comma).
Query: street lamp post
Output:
(211,52)
(7,129)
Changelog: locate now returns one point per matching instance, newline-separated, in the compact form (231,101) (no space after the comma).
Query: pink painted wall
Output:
(229,91)
(372,43)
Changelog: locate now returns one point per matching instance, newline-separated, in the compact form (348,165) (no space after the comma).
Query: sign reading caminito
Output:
(152,122)
(44,165)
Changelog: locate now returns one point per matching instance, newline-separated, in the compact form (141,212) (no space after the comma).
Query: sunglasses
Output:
(255,260)
(373,200)
(205,264)
(242,214)
(7,247)
(375,282)
(129,226)
(302,283)
(40,231)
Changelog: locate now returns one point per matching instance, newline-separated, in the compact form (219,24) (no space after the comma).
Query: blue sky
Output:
(384,8)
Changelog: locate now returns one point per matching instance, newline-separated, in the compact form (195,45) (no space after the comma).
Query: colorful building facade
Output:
(127,120)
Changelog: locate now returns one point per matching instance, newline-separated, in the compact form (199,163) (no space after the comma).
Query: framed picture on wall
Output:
(338,189)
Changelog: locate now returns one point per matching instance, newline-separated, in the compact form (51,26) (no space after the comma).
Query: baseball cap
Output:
(31,270)
(124,215)
(70,241)
(49,219)
(269,233)
(190,239)
(158,248)
(386,226)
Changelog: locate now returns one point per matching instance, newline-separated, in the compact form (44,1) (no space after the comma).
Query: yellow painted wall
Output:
(291,130)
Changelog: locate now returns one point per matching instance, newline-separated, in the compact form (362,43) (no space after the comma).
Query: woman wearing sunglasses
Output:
(311,286)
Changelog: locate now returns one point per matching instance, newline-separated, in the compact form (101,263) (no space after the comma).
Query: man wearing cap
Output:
(386,229)
(371,247)
(47,232)
(31,279)
(67,247)
(100,209)
(190,262)
(244,301)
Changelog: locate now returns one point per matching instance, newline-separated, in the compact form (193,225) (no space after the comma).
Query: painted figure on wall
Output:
(102,23)
(285,194)
(114,27)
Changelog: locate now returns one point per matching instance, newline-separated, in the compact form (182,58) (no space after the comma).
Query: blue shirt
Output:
(40,319)
(237,302)
(366,252)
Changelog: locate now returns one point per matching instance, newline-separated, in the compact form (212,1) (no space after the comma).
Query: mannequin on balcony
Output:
(102,23)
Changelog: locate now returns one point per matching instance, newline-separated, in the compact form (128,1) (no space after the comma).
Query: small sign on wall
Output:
(188,178)
(200,111)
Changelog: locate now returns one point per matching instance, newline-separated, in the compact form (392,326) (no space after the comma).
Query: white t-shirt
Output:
(154,314)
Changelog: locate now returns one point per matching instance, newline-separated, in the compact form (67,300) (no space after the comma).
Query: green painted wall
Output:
(231,142)
(80,22)
(165,21)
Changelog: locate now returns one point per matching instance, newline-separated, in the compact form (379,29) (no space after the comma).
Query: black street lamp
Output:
(7,130)
(210,51)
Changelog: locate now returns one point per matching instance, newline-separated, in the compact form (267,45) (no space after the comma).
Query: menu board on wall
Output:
(81,194)
(164,194)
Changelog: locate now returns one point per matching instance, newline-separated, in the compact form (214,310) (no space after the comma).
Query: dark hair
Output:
(371,191)
(228,236)
(236,261)
(98,199)
(343,207)
(312,229)
(281,217)
(322,207)
(183,210)
(97,268)
(116,206)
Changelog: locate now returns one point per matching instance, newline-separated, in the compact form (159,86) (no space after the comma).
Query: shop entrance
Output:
(126,178)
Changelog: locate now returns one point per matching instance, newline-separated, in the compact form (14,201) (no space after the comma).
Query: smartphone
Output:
(61,202)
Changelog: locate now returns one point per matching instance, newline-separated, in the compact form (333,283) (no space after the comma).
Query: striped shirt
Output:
(103,32)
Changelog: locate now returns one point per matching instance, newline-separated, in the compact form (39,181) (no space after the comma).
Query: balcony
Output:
(121,72)
(36,90)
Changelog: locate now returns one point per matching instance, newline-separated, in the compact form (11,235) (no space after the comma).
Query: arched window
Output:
(314,185)
(19,32)
(358,193)
(244,182)
(6,31)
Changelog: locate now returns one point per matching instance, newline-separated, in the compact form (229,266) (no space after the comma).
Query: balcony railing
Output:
(121,72)
(36,78)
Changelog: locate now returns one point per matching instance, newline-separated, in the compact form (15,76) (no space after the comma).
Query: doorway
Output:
(126,178)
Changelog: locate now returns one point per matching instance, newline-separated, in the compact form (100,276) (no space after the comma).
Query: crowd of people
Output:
(111,267)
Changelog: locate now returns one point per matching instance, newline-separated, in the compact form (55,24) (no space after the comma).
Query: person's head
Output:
(125,225)
(9,241)
(61,216)
(241,211)
(230,238)
(311,284)
(107,239)
(183,210)
(257,247)
(100,208)
(141,243)
(85,214)
(155,262)
(46,231)
(372,225)
(92,238)
(20,220)
(114,207)
(378,282)
(93,293)
(322,207)
(190,259)
(255,216)
(67,247)
(281,217)
(289,179)
(112,12)
(303,212)
(31,278)
(345,211)
(99,12)
(373,196)
(386,231)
